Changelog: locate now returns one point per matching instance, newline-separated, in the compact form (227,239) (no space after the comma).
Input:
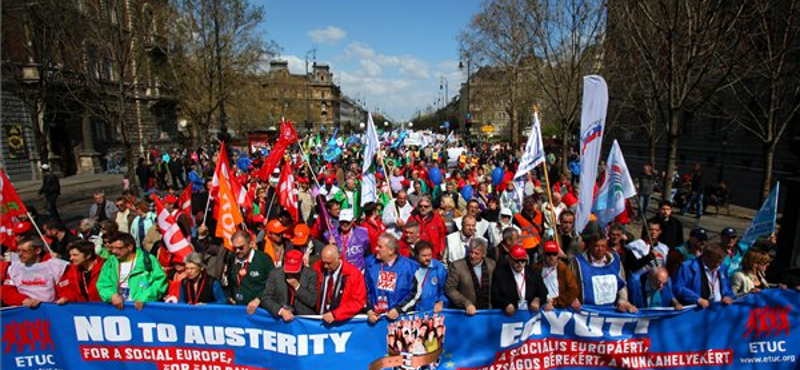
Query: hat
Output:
(346,215)
(550,247)
(329,180)
(518,253)
(728,232)
(300,234)
(259,219)
(22,227)
(302,180)
(171,199)
(505,211)
(46,167)
(293,261)
(276,227)
(699,233)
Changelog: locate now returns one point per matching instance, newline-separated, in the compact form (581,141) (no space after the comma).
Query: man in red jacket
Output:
(431,226)
(79,283)
(342,292)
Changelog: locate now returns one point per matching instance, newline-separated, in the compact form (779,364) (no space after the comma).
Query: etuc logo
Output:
(768,322)
(31,334)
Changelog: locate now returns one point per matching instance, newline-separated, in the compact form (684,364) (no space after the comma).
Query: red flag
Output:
(10,204)
(185,203)
(286,137)
(174,239)
(7,236)
(221,170)
(287,197)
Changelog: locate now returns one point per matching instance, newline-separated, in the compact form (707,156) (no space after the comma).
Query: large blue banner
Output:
(756,332)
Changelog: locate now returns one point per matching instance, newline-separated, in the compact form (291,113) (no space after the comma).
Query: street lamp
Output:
(361,125)
(461,66)
(443,84)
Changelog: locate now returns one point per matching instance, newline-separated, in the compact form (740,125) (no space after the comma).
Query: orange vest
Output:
(531,232)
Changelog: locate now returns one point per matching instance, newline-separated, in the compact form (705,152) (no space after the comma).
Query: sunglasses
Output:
(424,206)
(239,248)
(521,262)
(551,254)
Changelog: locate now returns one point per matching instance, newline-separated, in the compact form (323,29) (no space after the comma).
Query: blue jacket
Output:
(399,288)
(637,284)
(433,279)
(690,279)
(197,182)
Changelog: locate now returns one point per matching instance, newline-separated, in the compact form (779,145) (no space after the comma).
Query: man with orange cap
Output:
(274,242)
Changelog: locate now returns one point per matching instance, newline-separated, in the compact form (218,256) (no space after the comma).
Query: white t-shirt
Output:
(125,270)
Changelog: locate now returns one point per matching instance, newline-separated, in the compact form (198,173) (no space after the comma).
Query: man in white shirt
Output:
(458,241)
(32,280)
(394,224)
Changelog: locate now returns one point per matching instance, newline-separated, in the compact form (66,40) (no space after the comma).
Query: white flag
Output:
(534,150)
(617,187)
(368,185)
(593,119)
(764,222)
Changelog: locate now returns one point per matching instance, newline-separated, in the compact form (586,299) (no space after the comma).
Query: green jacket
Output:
(252,285)
(145,286)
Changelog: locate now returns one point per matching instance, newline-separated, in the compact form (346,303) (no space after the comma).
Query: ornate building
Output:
(312,101)
(82,79)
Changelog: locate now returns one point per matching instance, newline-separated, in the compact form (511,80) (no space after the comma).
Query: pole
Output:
(33,222)
(327,222)
(271,202)
(550,195)
(644,223)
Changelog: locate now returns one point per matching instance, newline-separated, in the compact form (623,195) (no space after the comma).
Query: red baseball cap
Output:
(550,247)
(293,261)
(22,227)
(171,199)
(259,219)
(518,253)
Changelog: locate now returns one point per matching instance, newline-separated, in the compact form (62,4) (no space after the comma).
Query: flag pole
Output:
(645,225)
(550,196)
(314,175)
(33,222)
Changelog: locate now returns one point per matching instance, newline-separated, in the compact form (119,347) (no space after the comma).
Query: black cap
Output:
(728,232)
(699,233)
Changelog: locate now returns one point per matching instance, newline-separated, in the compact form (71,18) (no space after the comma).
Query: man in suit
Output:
(291,289)
(517,286)
(469,280)
(341,287)
(703,281)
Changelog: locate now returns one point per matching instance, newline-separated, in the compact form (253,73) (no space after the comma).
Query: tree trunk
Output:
(653,143)
(672,152)
(564,148)
(766,182)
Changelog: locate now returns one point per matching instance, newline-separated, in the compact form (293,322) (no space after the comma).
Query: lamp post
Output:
(461,65)
(313,54)
(443,85)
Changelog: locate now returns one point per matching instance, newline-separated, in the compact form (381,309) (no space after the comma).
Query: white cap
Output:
(346,215)
(505,212)
(45,166)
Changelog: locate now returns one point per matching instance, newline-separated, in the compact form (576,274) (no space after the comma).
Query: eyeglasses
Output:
(551,254)
(239,248)
(520,262)
(424,206)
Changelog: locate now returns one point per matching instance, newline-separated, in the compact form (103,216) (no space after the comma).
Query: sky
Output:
(397,56)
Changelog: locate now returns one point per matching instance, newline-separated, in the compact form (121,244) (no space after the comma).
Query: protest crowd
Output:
(380,226)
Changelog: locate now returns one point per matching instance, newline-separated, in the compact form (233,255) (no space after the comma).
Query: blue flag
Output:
(764,222)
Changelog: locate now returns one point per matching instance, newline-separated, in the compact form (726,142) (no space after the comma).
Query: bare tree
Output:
(567,38)
(496,36)
(213,37)
(685,50)
(38,80)
(765,86)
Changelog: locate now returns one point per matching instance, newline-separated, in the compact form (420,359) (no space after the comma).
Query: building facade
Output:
(82,80)
(311,101)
